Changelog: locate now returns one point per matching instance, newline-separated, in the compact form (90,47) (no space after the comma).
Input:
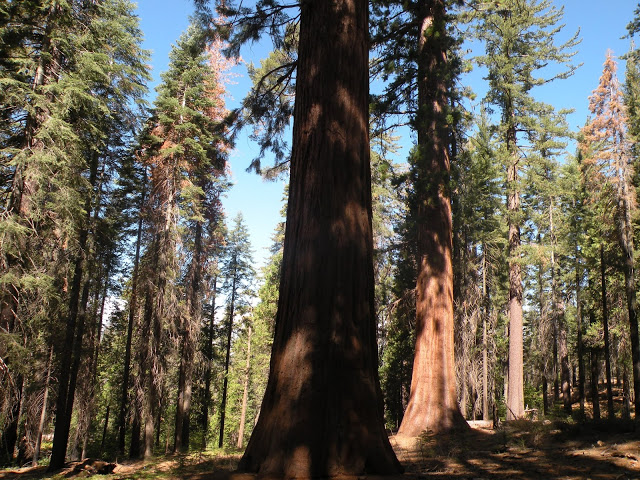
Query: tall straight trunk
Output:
(322,413)
(515,391)
(206,403)
(555,317)
(75,366)
(433,402)
(485,346)
(630,290)
(65,396)
(605,324)
(245,392)
(70,357)
(543,327)
(93,370)
(154,318)
(227,358)
(565,367)
(133,308)
(581,373)
(190,329)
(595,373)
(43,411)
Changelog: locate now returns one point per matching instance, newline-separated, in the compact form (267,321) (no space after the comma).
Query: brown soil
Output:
(519,450)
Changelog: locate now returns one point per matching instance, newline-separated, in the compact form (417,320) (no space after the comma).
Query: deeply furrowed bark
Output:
(433,401)
(322,412)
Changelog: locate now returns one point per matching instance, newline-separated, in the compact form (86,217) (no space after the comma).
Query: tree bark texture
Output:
(433,403)
(595,373)
(206,403)
(605,325)
(227,359)
(322,413)
(515,390)
(245,392)
(190,331)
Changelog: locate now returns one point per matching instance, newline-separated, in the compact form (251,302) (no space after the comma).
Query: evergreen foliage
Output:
(131,319)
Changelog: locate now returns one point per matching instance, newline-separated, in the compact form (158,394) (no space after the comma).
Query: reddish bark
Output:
(433,401)
(322,411)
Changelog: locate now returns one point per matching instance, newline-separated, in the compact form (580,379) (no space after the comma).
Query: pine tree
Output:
(238,273)
(185,154)
(606,147)
(479,258)
(519,41)
(70,93)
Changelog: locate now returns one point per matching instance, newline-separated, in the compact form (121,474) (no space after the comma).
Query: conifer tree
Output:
(606,146)
(519,41)
(185,154)
(479,258)
(74,73)
(238,272)
(419,32)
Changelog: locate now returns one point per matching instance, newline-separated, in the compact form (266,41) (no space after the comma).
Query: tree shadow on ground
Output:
(526,450)
(518,450)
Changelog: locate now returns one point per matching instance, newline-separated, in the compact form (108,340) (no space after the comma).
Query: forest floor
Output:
(517,450)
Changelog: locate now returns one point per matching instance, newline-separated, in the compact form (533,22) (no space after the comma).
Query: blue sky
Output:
(602,24)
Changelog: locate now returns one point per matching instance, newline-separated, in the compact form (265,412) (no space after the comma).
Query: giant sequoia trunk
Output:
(322,410)
(433,401)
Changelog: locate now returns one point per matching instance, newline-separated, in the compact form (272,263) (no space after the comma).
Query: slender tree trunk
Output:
(225,381)
(595,373)
(322,413)
(565,368)
(581,373)
(70,357)
(105,427)
(605,324)
(245,393)
(206,403)
(515,392)
(43,412)
(65,396)
(433,402)
(133,308)
(555,316)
